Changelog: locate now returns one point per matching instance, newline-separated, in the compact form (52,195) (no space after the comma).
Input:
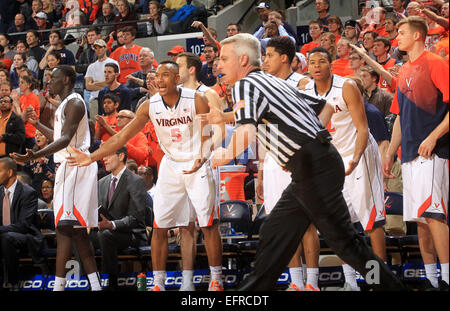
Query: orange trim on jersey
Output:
(155,225)
(373,214)
(211,218)
(424,206)
(77,214)
(444,208)
(58,216)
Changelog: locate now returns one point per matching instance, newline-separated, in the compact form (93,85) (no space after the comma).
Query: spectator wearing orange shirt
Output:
(368,40)
(335,26)
(127,55)
(380,27)
(155,152)
(435,31)
(110,105)
(28,100)
(391,29)
(315,31)
(381,48)
(341,66)
(6,61)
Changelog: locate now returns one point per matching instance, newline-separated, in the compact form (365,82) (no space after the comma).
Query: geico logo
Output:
(198,279)
(130,281)
(414,273)
(174,280)
(77,284)
(284,277)
(330,276)
(32,284)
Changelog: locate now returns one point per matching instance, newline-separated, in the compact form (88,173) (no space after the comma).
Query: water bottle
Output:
(141,282)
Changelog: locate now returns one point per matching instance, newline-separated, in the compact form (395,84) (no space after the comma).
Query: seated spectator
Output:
(19,25)
(53,60)
(368,41)
(206,75)
(335,27)
(175,51)
(95,75)
(4,42)
(119,38)
(4,76)
(5,61)
(174,4)
(49,102)
(154,149)
(146,174)
(42,24)
(151,87)
(31,63)
(271,30)
(94,11)
(121,194)
(113,86)
(299,63)
(125,14)
(381,49)
(18,63)
(106,17)
(435,32)
(233,29)
(132,166)
(57,44)
(12,128)
(315,31)
(5,88)
(341,66)
(127,55)
(42,168)
(413,9)
(159,23)
(86,54)
(328,42)
(219,87)
(73,16)
(29,100)
(277,17)
(391,29)
(323,9)
(356,63)
(399,8)
(33,43)
(47,192)
(209,37)
(110,105)
(18,231)
(52,14)
(36,7)
(351,31)
(372,92)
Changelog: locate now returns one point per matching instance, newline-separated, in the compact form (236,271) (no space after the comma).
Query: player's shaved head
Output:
(171,65)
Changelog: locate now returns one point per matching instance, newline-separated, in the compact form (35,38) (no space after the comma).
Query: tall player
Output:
(190,66)
(273,180)
(75,199)
(421,128)
(363,187)
(184,174)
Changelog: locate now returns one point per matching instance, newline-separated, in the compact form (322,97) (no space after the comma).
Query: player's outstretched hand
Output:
(215,116)
(22,158)
(197,165)
(78,158)
(219,158)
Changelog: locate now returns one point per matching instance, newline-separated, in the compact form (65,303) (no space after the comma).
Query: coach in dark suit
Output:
(12,134)
(122,196)
(18,233)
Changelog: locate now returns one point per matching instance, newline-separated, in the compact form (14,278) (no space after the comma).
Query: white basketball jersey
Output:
(295,78)
(176,128)
(202,89)
(82,138)
(343,130)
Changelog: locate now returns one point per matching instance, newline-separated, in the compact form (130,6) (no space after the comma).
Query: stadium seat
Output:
(250,245)
(46,219)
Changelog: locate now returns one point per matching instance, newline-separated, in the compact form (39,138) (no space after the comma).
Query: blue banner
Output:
(195,45)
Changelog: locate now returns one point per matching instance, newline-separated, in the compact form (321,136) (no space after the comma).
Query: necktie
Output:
(6,209)
(112,188)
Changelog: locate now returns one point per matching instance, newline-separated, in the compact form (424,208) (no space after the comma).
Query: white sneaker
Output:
(187,287)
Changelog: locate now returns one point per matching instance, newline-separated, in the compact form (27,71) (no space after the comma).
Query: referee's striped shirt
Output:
(286,117)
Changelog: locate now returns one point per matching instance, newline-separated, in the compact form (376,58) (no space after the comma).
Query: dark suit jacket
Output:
(14,135)
(23,216)
(127,206)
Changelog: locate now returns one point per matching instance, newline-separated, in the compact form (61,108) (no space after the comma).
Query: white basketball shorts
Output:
(425,189)
(75,200)
(181,198)
(275,182)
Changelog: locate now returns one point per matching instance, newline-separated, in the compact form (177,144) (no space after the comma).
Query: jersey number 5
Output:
(176,135)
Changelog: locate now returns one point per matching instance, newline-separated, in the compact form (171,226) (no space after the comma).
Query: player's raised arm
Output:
(115,142)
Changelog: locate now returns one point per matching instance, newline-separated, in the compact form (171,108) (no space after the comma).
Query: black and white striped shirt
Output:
(286,117)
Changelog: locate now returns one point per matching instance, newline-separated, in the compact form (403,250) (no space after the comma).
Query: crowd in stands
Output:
(119,75)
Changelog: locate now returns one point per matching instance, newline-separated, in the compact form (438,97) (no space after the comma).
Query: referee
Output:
(298,141)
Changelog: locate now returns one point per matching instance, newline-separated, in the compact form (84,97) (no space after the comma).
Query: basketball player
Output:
(272,180)
(363,187)
(421,128)
(190,66)
(183,174)
(75,199)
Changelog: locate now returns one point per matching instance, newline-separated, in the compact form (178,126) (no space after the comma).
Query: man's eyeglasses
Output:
(5,101)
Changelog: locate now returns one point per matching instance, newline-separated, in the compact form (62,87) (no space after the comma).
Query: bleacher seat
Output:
(251,244)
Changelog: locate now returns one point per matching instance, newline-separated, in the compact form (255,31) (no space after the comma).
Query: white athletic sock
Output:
(60,284)
(444,272)
(216,274)
(350,276)
(159,278)
(187,277)
(94,279)
(297,277)
(431,273)
(312,277)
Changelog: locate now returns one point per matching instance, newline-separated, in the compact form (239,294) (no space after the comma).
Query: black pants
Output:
(314,196)
(11,244)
